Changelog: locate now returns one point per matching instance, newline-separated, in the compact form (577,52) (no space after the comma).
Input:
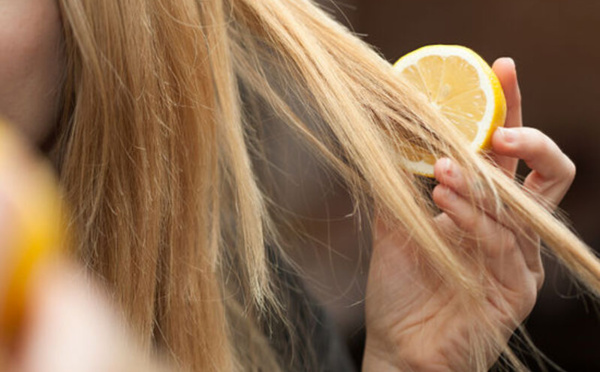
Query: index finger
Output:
(552,171)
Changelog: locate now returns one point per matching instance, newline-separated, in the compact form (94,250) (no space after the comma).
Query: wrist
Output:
(384,357)
(378,357)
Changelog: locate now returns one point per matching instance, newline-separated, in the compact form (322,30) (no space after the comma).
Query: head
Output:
(104,95)
(31,65)
(158,135)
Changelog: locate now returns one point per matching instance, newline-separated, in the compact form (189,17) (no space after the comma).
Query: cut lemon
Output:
(463,87)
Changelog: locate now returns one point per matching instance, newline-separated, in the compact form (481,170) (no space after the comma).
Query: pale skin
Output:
(414,321)
(30,65)
(30,73)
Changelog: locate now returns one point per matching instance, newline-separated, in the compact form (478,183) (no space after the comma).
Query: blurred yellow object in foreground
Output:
(31,205)
(463,87)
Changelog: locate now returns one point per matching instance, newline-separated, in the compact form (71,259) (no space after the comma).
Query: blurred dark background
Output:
(555,46)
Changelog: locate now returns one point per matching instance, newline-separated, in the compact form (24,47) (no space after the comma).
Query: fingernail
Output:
(508,135)
(446,165)
(511,61)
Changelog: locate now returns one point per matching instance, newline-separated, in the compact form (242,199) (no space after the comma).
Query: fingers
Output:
(505,70)
(502,251)
(450,174)
(552,171)
(484,206)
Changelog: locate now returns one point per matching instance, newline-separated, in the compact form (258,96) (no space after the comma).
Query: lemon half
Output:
(463,87)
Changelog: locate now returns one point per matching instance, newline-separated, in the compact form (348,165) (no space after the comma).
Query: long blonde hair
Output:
(163,107)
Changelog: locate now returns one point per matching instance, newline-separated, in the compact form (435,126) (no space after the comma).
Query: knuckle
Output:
(528,300)
(570,170)
(540,143)
(470,222)
(540,278)
(525,299)
(508,243)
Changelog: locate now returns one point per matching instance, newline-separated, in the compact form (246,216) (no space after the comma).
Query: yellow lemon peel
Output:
(465,90)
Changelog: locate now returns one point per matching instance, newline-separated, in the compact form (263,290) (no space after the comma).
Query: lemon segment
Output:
(465,90)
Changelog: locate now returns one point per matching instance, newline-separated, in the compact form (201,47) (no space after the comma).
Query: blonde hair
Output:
(161,133)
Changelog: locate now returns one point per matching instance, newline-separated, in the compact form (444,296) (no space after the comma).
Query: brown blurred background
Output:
(554,43)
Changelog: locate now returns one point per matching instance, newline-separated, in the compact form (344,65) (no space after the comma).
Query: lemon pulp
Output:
(463,87)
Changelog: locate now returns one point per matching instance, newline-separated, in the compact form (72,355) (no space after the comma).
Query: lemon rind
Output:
(495,111)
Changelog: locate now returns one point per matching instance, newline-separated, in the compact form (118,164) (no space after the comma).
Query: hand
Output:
(416,321)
